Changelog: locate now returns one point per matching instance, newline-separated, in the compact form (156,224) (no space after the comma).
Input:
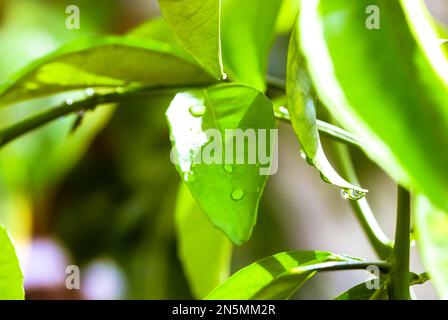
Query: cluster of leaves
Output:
(213,55)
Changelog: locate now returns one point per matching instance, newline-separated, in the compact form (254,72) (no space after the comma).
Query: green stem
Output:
(327,129)
(25,126)
(361,208)
(399,275)
(343,265)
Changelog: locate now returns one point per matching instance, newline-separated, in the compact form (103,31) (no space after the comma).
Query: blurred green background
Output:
(103,197)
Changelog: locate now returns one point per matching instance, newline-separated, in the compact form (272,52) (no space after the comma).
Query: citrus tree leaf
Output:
(362,292)
(397,100)
(287,15)
(108,62)
(197,25)
(276,277)
(248,29)
(432,235)
(227,183)
(205,252)
(302,112)
(11,278)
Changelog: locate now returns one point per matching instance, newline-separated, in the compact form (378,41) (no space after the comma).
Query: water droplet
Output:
(224,76)
(90,92)
(350,194)
(228,168)
(69,101)
(197,110)
(119,90)
(189,176)
(238,194)
(283,110)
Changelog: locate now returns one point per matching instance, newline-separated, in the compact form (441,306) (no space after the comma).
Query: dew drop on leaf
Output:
(90,92)
(238,194)
(197,111)
(228,168)
(189,176)
(69,101)
(350,194)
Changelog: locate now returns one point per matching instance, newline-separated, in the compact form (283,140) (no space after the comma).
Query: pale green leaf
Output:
(386,85)
(302,112)
(109,62)
(205,252)
(432,235)
(248,29)
(196,25)
(11,278)
(277,277)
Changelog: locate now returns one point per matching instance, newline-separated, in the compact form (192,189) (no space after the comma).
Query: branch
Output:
(361,208)
(25,126)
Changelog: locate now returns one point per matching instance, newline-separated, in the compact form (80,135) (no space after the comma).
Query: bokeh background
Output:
(103,197)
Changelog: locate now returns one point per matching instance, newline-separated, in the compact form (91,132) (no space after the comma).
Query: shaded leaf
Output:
(302,112)
(196,25)
(205,252)
(276,277)
(227,185)
(11,278)
(385,85)
(248,29)
(108,62)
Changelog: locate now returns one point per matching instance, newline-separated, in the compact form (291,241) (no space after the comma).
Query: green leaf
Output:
(196,25)
(248,29)
(362,292)
(432,235)
(302,112)
(11,278)
(287,16)
(388,86)
(227,186)
(277,277)
(205,252)
(108,62)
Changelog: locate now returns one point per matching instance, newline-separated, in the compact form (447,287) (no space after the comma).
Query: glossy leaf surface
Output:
(222,139)
(276,277)
(386,85)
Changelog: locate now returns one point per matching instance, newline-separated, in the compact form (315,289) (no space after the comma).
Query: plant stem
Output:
(361,208)
(343,265)
(327,129)
(399,288)
(22,127)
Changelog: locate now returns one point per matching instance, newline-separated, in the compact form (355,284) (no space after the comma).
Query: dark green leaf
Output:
(302,112)
(196,25)
(387,85)
(205,252)
(109,62)
(226,186)
(11,278)
(276,277)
